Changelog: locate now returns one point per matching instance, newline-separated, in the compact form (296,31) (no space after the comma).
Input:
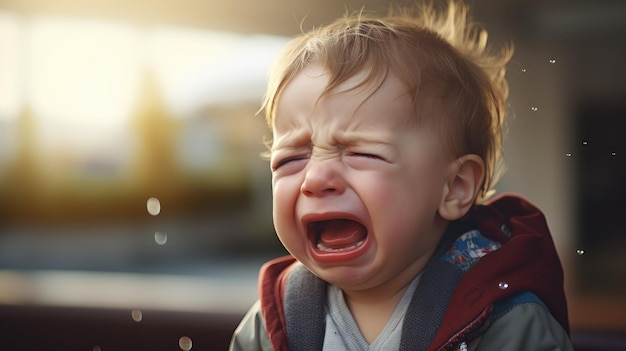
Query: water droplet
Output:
(580,252)
(523,70)
(136,315)
(613,153)
(503,285)
(160,238)
(154,206)
(184,343)
(534,109)
(569,154)
(585,142)
(553,61)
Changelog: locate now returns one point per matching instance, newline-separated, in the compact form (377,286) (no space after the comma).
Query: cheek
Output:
(405,201)
(284,192)
(405,187)
(284,195)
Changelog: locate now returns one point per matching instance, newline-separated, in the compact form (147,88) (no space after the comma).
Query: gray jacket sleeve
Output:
(526,326)
(251,334)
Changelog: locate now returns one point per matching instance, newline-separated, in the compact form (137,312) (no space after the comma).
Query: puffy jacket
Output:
(494,283)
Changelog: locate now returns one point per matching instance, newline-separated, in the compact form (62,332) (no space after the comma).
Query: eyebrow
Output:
(291,140)
(352,139)
(300,139)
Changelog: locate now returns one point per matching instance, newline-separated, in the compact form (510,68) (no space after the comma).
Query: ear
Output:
(465,179)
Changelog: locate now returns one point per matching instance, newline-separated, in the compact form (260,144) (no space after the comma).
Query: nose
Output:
(323,177)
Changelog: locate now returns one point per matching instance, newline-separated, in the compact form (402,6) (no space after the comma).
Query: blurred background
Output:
(135,210)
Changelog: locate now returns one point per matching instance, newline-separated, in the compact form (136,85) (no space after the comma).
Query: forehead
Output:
(311,89)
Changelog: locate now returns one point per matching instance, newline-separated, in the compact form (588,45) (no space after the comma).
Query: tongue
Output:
(341,233)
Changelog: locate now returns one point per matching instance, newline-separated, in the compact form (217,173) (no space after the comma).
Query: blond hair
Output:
(442,49)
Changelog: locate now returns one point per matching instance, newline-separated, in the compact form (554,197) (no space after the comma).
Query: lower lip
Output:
(339,256)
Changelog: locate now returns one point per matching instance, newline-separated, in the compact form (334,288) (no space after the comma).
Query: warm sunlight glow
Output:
(83,76)
(199,68)
(86,98)
(10,68)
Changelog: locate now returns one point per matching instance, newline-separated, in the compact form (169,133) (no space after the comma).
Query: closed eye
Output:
(366,155)
(281,162)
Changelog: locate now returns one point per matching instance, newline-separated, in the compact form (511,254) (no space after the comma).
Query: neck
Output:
(372,308)
(372,316)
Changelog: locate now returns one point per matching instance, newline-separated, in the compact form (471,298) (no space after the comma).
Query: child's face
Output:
(356,187)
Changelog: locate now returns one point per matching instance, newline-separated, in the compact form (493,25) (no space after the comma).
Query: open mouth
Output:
(337,239)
